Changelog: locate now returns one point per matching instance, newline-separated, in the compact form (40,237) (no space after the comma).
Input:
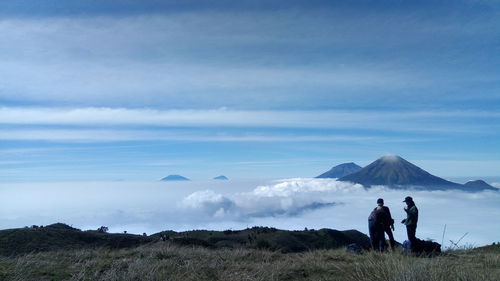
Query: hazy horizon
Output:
(292,204)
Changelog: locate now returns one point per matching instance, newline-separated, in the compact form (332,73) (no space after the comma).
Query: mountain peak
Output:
(341,170)
(394,171)
(175,178)
(221,177)
(391,158)
(479,184)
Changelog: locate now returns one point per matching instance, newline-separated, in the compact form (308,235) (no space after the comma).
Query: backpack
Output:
(407,246)
(373,215)
(426,247)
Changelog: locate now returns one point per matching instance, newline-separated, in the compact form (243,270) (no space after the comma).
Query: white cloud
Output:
(285,198)
(209,202)
(292,187)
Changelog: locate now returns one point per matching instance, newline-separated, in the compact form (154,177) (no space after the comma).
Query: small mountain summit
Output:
(480,184)
(221,177)
(341,170)
(396,172)
(175,178)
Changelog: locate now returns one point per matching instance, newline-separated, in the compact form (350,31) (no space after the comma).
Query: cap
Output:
(380,201)
(408,199)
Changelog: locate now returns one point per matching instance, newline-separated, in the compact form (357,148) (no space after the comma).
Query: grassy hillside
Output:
(268,238)
(59,252)
(63,237)
(60,236)
(168,261)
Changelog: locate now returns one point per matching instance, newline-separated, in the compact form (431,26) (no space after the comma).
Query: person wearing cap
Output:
(388,222)
(411,219)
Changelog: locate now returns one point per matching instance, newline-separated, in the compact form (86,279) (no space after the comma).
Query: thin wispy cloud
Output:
(397,120)
(184,85)
(242,59)
(103,135)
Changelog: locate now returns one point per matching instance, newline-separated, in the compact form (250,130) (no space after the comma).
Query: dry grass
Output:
(164,261)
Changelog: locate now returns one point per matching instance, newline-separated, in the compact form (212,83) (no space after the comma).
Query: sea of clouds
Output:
(296,203)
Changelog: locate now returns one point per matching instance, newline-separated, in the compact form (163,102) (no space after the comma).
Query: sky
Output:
(137,90)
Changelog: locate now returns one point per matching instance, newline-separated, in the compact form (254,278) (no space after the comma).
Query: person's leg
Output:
(382,240)
(381,243)
(373,237)
(411,230)
(378,234)
(412,233)
(409,233)
(391,237)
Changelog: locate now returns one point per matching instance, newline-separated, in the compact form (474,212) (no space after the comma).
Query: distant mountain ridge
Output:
(341,170)
(221,177)
(396,172)
(479,184)
(175,178)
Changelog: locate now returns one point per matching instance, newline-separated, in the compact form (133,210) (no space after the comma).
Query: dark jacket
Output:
(379,217)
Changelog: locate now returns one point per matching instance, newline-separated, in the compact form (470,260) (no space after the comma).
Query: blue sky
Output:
(136,90)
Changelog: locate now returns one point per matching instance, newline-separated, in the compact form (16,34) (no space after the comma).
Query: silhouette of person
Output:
(376,222)
(411,220)
(388,222)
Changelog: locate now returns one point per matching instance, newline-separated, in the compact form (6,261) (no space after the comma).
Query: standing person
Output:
(411,220)
(388,222)
(376,228)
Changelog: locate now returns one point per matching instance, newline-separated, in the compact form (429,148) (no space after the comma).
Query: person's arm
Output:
(391,220)
(390,217)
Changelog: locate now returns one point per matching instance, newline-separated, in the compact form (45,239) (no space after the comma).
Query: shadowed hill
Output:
(480,184)
(268,238)
(340,171)
(60,236)
(63,237)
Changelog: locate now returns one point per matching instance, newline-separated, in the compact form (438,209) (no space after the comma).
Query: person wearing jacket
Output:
(411,219)
(376,224)
(388,222)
